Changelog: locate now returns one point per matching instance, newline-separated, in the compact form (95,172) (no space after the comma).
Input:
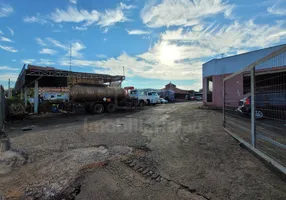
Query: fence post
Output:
(253,125)
(223,106)
(36,97)
(2,110)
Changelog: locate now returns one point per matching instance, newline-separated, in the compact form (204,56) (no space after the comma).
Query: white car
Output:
(161,100)
(149,98)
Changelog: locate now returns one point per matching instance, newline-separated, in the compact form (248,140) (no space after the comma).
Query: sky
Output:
(157,41)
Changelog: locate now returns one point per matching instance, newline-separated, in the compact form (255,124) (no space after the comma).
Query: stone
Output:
(132,164)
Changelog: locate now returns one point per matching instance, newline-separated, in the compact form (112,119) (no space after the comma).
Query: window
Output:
(210,89)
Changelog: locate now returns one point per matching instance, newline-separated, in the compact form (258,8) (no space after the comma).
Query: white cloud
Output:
(278,35)
(35,19)
(180,53)
(47,51)
(182,12)
(197,85)
(107,18)
(41,61)
(46,62)
(1,32)
(40,42)
(124,6)
(149,67)
(74,15)
(56,43)
(5,10)
(105,30)
(8,68)
(76,47)
(215,39)
(11,31)
(112,16)
(73,1)
(8,48)
(137,32)
(7,76)
(101,56)
(4,39)
(277,9)
(28,61)
(79,28)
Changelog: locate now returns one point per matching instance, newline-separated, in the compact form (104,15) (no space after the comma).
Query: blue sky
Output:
(157,41)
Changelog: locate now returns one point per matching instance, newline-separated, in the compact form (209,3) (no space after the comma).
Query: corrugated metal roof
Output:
(235,63)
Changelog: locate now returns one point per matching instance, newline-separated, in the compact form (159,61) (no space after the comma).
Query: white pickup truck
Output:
(146,97)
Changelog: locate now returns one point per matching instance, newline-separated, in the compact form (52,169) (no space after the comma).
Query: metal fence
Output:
(254,110)
(2,110)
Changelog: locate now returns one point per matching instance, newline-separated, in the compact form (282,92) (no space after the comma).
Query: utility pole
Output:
(70,55)
(9,89)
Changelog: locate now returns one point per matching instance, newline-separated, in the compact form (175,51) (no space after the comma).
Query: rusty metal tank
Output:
(81,93)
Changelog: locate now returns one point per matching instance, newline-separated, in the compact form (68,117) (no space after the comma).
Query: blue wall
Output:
(235,63)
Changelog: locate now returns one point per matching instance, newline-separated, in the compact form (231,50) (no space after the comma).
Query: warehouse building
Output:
(180,94)
(216,70)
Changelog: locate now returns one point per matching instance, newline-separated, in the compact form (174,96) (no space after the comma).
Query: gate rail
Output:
(266,81)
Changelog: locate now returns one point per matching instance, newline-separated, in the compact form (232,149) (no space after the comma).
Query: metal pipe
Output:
(253,125)
(36,97)
(273,162)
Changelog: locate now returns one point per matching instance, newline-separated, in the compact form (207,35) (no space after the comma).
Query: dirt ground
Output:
(172,151)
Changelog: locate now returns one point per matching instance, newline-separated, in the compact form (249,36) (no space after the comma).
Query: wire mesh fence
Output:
(255,105)
(2,109)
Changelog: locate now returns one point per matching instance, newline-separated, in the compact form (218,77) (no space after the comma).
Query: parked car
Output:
(162,100)
(198,98)
(271,104)
(148,97)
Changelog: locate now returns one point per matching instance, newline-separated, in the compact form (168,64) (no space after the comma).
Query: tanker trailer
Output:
(99,98)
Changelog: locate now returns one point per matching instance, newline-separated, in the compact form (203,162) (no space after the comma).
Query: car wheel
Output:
(258,114)
(148,102)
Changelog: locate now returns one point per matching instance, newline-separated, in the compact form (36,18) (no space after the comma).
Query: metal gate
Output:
(254,109)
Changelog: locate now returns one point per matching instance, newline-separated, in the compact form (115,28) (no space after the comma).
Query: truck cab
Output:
(152,98)
(146,97)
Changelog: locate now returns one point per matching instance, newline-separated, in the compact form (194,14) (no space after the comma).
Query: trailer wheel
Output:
(111,107)
(97,109)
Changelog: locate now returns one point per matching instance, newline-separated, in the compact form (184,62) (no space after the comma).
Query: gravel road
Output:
(172,151)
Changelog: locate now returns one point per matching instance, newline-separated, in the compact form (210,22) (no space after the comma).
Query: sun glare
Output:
(168,54)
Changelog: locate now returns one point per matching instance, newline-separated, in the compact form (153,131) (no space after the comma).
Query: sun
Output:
(169,53)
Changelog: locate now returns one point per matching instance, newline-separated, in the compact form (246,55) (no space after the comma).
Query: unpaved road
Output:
(173,151)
